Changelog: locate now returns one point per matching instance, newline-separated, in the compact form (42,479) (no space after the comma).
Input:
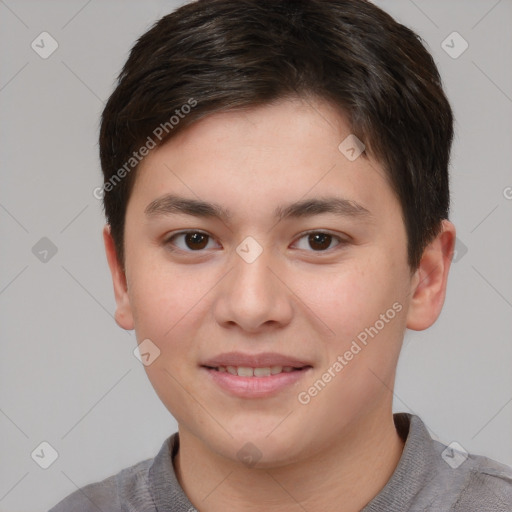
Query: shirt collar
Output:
(165,489)
(411,474)
(415,467)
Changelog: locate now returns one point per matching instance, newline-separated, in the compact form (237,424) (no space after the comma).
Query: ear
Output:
(123,314)
(428,285)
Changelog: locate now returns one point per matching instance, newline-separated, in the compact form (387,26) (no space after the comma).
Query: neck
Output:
(344,478)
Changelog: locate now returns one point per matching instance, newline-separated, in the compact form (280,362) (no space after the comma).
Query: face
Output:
(303,275)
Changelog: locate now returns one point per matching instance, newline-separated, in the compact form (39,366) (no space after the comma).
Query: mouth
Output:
(254,376)
(258,372)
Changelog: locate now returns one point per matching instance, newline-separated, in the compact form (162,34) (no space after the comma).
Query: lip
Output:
(261,360)
(255,387)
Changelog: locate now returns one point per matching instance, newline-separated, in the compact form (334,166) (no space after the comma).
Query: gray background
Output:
(68,375)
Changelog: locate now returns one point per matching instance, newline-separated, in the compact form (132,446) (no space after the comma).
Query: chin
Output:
(261,448)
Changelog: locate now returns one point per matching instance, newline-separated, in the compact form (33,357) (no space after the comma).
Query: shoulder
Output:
(112,493)
(478,483)
(487,486)
(435,477)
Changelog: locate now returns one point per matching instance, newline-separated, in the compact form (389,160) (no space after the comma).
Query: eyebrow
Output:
(171,204)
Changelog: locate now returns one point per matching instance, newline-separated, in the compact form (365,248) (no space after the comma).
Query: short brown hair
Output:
(234,54)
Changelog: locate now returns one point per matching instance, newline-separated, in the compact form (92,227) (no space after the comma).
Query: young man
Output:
(276,191)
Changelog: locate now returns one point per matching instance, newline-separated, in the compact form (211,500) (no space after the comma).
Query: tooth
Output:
(231,369)
(262,372)
(245,371)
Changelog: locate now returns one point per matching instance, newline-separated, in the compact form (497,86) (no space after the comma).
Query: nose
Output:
(254,295)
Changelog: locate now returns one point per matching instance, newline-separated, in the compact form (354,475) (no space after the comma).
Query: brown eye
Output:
(319,241)
(192,241)
(196,240)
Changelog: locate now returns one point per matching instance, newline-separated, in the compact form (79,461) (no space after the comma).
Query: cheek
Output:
(167,307)
(363,354)
(163,296)
(364,307)
(352,298)
(154,308)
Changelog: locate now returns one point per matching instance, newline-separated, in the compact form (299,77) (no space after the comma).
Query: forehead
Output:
(260,156)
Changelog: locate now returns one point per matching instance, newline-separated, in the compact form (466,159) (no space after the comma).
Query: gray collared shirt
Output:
(429,477)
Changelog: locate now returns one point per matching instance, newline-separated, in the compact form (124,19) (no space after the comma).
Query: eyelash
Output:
(167,242)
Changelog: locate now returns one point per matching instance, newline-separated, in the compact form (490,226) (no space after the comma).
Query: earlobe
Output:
(123,315)
(428,285)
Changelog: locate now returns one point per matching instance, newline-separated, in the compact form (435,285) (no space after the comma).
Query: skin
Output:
(338,451)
